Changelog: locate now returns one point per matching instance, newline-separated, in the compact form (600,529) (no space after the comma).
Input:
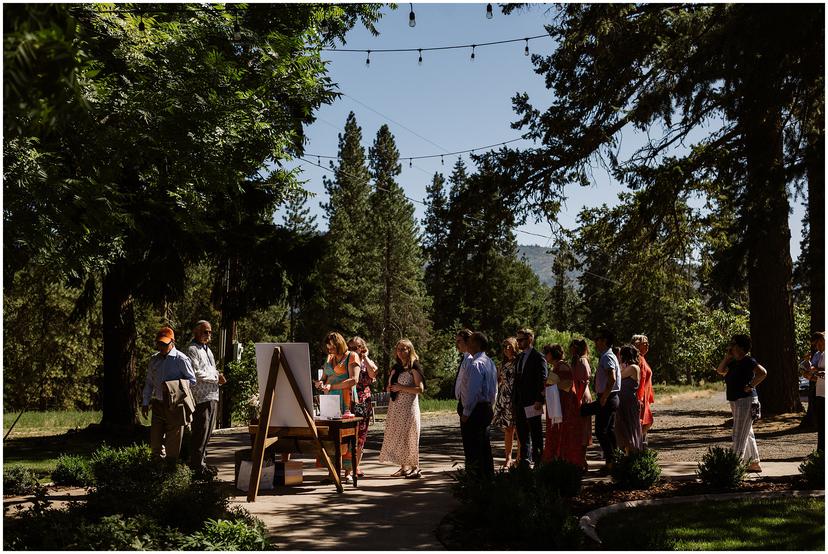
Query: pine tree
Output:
(298,221)
(345,283)
(400,302)
(436,248)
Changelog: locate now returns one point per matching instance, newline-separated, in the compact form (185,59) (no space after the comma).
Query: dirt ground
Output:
(685,426)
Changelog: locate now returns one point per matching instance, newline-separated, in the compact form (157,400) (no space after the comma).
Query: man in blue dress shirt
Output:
(168,364)
(476,390)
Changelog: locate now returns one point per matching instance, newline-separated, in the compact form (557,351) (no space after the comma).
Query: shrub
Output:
(558,477)
(521,507)
(225,534)
(636,470)
(153,487)
(813,468)
(73,471)
(721,467)
(18,479)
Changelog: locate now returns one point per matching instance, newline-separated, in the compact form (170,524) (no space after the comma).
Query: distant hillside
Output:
(540,259)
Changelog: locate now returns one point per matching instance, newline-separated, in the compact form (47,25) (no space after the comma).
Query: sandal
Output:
(360,474)
(399,473)
(754,468)
(414,474)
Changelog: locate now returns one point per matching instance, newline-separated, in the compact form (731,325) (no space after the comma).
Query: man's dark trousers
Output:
(526,427)
(604,423)
(204,419)
(477,447)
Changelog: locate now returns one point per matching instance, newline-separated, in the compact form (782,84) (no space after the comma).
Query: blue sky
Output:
(449,103)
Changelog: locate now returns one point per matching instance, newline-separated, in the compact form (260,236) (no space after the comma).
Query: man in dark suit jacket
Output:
(528,390)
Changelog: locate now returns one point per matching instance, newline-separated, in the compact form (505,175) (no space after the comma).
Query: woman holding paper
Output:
(340,378)
(569,433)
(401,443)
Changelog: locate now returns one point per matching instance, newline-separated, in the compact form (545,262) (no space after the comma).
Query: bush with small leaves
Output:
(18,479)
(636,470)
(521,507)
(73,471)
(225,534)
(721,467)
(813,468)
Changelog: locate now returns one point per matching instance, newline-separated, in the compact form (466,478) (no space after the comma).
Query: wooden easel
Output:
(266,436)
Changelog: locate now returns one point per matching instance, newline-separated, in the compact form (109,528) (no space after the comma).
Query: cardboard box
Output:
(288,473)
(243,476)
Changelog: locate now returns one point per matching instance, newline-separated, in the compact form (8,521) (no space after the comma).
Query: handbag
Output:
(359,409)
(755,410)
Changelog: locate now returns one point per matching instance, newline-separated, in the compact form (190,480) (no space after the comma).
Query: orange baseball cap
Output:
(165,335)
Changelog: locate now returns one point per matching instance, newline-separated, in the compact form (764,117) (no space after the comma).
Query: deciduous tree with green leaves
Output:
(136,134)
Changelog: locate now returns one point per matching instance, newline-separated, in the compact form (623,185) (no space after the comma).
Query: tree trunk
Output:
(816,217)
(769,264)
(120,387)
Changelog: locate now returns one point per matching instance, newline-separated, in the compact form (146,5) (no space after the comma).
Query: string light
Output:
(412,19)
(526,50)
(141,26)
(409,162)
(489,13)
(434,48)
(472,56)
(368,59)
(458,153)
(420,60)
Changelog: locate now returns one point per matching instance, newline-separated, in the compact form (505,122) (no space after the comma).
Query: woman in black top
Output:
(742,374)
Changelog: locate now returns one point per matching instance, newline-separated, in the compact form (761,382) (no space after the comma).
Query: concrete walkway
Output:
(384,513)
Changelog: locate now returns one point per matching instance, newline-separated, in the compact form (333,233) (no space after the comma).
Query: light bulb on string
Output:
(489,13)
(412,19)
(472,56)
(141,25)
(368,59)
(318,160)
(441,160)
(420,60)
(526,49)
(409,163)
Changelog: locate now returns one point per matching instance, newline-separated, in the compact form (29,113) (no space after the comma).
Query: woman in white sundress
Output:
(401,443)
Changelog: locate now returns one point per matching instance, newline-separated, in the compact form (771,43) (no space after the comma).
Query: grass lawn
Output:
(659,389)
(437,405)
(39,438)
(766,524)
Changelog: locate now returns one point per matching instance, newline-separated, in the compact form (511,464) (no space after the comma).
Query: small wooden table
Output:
(339,430)
(334,430)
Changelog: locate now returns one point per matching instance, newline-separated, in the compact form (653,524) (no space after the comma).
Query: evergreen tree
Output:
(400,303)
(298,221)
(436,250)
(563,298)
(344,280)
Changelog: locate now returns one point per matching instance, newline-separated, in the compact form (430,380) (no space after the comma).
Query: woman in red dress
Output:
(645,389)
(566,438)
(579,352)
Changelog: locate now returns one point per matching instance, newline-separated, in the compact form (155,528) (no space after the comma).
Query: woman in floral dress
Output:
(367,375)
(401,443)
(503,414)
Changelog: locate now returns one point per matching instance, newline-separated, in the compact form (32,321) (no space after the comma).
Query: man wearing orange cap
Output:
(168,364)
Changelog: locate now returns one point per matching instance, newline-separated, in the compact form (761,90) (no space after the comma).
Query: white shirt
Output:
(204,366)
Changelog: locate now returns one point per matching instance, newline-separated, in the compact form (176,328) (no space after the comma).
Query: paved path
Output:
(386,513)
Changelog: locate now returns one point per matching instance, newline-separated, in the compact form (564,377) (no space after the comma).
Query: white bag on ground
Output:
(265,480)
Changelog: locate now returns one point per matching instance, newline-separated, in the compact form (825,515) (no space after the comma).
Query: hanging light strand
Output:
(435,48)
(430,156)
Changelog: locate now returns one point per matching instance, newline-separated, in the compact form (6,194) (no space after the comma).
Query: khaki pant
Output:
(163,433)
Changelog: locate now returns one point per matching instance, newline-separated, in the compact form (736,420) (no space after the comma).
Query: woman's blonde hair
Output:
(412,354)
(359,341)
(511,341)
(338,341)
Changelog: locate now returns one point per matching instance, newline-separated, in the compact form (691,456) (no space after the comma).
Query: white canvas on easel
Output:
(286,412)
